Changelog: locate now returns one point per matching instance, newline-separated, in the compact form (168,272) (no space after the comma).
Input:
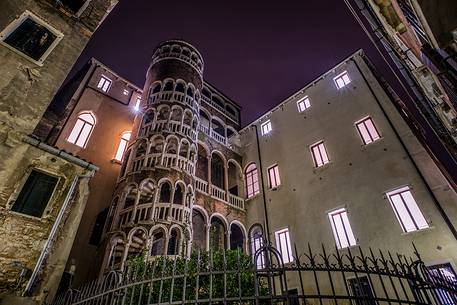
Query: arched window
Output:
(165,192)
(257,242)
(252,180)
(178,196)
(123,145)
(180,87)
(82,129)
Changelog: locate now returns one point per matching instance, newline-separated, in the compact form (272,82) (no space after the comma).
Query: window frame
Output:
(306,103)
(341,77)
(84,124)
(317,144)
(337,212)
(137,103)
(254,181)
(125,147)
(277,178)
(290,257)
(399,191)
(362,122)
(17,22)
(106,79)
(18,190)
(268,126)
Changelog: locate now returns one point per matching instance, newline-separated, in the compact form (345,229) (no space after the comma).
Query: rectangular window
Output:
(104,83)
(266,127)
(446,276)
(273,176)
(303,104)
(283,245)
(35,194)
(126,92)
(74,6)
(31,37)
(319,153)
(406,209)
(342,80)
(367,130)
(342,231)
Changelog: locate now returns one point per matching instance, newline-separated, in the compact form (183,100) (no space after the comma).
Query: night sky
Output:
(257,53)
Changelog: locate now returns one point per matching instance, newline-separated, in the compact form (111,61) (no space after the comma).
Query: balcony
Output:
(234,201)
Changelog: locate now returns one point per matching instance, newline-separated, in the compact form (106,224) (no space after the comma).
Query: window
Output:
(256,244)
(97,230)
(319,153)
(341,228)
(444,275)
(137,104)
(342,80)
(104,83)
(75,6)
(406,209)
(82,129)
(303,104)
(283,245)
(126,92)
(252,180)
(266,127)
(273,176)
(122,145)
(367,130)
(35,194)
(31,37)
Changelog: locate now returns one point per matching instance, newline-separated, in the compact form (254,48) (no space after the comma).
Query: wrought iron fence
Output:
(342,277)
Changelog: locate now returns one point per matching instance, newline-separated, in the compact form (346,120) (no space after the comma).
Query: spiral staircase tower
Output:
(152,206)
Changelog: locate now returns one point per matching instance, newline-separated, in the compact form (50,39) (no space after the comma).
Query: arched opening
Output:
(131,197)
(147,193)
(256,242)
(252,180)
(137,244)
(176,114)
(165,192)
(189,197)
(190,92)
(157,145)
(204,122)
(124,163)
(173,242)
(192,153)
(82,129)
(218,102)
(180,87)
(187,118)
(117,252)
(158,242)
(141,148)
(168,86)
(230,133)
(202,163)
(217,171)
(148,117)
(198,230)
(172,146)
(164,113)
(235,179)
(156,88)
(218,128)
(184,148)
(232,112)
(217,236)
(178,195)
(236,237)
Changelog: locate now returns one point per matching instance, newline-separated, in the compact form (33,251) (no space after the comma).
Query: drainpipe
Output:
(267,223)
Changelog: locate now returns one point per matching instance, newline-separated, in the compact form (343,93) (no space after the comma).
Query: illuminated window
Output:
(273,176)
(137,104)
(126,92)
(283,245)
(341,228)
(122,145)
(367,130)
(319,153)
(31,37)
(303,104)
(266,127)
(252,180)
(342,80)
(406,209)
(104,83)
(82,129)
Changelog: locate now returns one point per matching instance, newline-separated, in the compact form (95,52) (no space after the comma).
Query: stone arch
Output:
(141,147)
(157,144)
(158,237)
(168,85)
(175,237)
(116,253)
(218,231)
(165,189)
(218,167)
(192,153)
(238,235)
(187,117)
(176,113)
(184,148)
(131,192)
(137,242)
(172,145)
(179,192)
(235,178)
(163,112)
(180,86)
(147,191)
(218,126)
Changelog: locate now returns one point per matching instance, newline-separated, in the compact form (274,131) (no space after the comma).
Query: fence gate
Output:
(231,277)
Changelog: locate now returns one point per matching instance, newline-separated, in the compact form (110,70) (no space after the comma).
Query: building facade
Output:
(43,189)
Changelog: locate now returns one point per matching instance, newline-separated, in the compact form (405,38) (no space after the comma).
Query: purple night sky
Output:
(258,54)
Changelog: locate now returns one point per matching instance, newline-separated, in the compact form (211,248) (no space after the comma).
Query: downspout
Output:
(267,223)
(435,200)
